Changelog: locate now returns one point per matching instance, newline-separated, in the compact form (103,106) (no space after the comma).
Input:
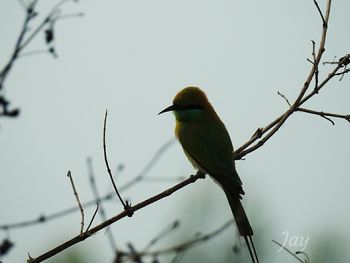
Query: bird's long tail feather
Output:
(242,222)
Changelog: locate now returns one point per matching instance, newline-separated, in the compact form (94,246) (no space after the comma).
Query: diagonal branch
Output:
(125,213)
(286,249)
(274,126)
(186,245)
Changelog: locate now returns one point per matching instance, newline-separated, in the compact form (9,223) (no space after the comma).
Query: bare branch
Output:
(125,205)
(173,226)
(325,81)
(114,219)
(320,12)
(326,115)
(92,218)
(314,62)
(79,204)
(285,98)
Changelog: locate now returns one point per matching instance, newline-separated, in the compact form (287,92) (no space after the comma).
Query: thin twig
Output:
(325,81)
(125,205)
(170,228)
(149,165)
(326,114)
(316,71)
(92,218)
(34,52)
(342,73)
(286,249)
(97,197)
(285,98)
(45,218)
(135,255)
(307,259)
(79,204)
(188,244)
(320,12)
(178,256)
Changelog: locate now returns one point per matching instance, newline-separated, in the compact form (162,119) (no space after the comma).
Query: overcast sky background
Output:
(132,57)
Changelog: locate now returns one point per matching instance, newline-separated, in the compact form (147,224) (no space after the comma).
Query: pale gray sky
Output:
(131,57)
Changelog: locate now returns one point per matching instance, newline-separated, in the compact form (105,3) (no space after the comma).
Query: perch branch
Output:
(125,213)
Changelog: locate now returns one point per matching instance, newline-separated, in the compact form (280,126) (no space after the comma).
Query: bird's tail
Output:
(242,222)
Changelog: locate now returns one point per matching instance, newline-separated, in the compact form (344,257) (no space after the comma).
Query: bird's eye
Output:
(192,107)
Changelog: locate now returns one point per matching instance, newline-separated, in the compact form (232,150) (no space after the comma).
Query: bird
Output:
(208,146)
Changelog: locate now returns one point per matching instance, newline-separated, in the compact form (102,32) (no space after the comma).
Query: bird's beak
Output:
(170,108)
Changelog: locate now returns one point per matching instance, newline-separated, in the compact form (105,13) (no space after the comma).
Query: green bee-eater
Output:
(208,146)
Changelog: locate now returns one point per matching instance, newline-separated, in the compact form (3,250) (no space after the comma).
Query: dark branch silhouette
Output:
(125,204)
(25,37)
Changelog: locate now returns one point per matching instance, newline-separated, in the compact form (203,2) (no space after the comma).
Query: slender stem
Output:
(78,201)
(286,249)
(107,165)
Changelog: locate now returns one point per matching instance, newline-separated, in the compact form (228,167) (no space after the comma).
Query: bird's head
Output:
(189,105)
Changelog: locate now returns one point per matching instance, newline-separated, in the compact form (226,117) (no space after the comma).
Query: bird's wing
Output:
(211,149)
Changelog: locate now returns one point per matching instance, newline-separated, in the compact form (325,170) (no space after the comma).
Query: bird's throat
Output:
(190,115)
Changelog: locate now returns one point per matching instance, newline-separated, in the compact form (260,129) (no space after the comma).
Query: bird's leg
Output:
(249,248)
(256,255)
(201,174)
